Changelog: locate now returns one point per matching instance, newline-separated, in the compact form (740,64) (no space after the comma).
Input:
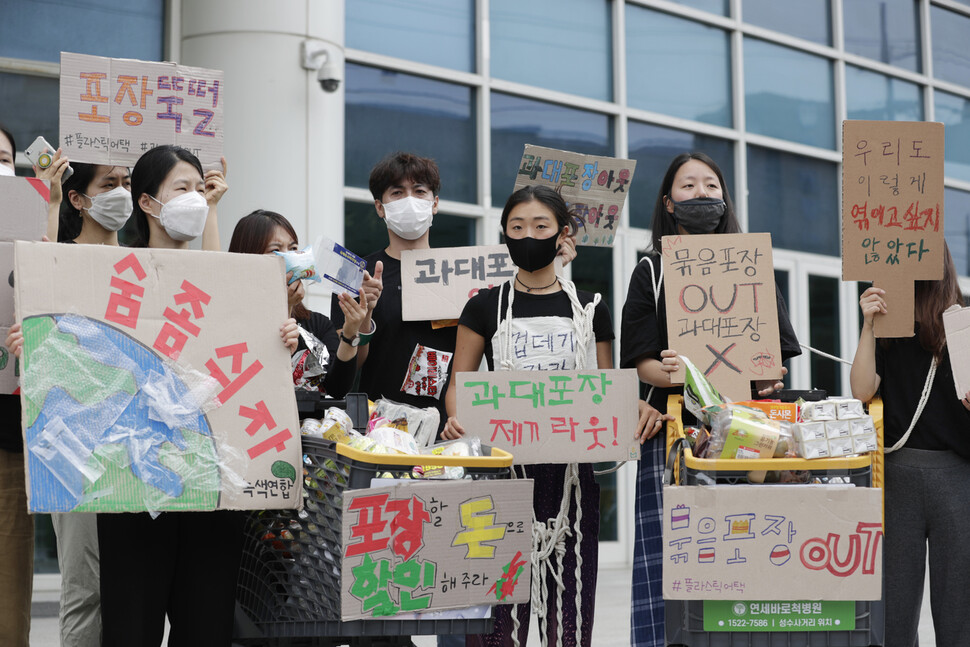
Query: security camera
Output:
(326,60)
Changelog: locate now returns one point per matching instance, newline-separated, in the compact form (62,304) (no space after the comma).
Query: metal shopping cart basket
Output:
(700,623)
(288,591)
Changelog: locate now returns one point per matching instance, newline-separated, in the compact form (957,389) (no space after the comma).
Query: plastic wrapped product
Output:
(422,424)
(738,432)
(864,443)
(840,446)
(862,426)
(395,439)
(819,411)
(814,448)
(837,429)
(806,431)
(310,427)
(848,408)
(698,391)
(310,365)
(786,442)
(469,446)
(337,426)
(302,263)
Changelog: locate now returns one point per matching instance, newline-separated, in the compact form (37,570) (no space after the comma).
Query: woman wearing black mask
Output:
(693,199)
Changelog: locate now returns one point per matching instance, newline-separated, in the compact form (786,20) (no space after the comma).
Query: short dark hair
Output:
(548,197)
(253,233)
(150,171)
(404,166)
(663,221)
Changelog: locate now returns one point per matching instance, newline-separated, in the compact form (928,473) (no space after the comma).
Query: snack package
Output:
(774,409)
(310,427)
(786,442)
(471,446)
(813,448)
(337,426)
(864,443)
(819,411)
(302,263)
(807,431)
(840,446)
(698,391)
(837,429)
(310,364)
(862,426)
(369,445)
(422,424)
(395,439)
(740,432)
(848,408)
(427,372)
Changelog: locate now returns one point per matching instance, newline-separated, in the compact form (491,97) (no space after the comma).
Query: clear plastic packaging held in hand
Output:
(302,263)
(310,364)
(699,393)
(422,424)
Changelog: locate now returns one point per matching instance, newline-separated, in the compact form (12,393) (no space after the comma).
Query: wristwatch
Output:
(353,341)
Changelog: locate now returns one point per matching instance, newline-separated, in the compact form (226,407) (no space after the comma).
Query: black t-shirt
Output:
(902,365)
(340,374)
(11,435)
(393,345)
(543,336)
(643,328)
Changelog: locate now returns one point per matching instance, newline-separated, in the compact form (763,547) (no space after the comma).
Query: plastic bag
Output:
(302,263)
(422,424)
(699,393)
(310,365)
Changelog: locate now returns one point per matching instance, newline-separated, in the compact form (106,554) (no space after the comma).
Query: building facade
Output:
(760,85)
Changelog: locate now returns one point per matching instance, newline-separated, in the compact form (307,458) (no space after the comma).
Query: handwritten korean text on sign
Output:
(436,283)
(721,308)
(595,187)
(553,416)
(112,110)
(422,547)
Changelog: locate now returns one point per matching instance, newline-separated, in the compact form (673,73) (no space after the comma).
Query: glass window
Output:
(804,191)
(808,19)
(951,60)
(390,111)
(365,232)
(517,121)
(954,112)
(870,95)
(788,94)
(29,107)
(957,223)
(884,30)
(436,32)
(823,322)
(653,147)
(664,72)
(117,28)
(563,45)
(720,7)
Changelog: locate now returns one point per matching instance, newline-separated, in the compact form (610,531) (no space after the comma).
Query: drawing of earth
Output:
(109,425)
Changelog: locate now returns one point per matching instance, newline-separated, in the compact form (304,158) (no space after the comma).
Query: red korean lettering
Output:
(232,386)
(407,525)
(369,524)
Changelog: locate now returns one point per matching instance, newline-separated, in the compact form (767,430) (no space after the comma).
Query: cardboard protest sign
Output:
(595,187)
(956,323)
(23,216)
(722,313)
(114,109)
(584,416)
(427,546)
(772,542)
(436,283)
(892,212)
(146,385)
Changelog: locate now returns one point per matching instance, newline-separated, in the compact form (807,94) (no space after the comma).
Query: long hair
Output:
(69,218)
(254,232)
(663,221)
(565,217)
(13,144)
(932,298)
(150,171)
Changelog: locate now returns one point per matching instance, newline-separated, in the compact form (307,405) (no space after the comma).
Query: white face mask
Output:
(7,171)
(409,217)
(183,217)
(110,209)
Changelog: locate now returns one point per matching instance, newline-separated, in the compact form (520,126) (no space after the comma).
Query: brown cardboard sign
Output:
(892,212)
(956,323)
(436,283)
(595,187)
(114,109)
(772,542)
(584,416)
(23,216)
(147,385)
(722,313)
(415,547)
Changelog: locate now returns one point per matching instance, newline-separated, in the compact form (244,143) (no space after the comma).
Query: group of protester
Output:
(123,573)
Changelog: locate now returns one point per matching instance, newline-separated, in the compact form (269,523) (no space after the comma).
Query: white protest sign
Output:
(112,110)
(436,283)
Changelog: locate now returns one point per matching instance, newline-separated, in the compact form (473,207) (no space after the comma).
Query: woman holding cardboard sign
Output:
(180,564)
(693,199)
(536,221)
(927,428)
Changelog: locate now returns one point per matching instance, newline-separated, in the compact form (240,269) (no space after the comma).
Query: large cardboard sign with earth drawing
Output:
(147,384)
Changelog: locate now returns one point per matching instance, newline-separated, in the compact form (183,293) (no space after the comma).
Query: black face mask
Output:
(699,215)
(531,254)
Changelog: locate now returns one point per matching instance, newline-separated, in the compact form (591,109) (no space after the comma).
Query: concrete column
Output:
(284,135)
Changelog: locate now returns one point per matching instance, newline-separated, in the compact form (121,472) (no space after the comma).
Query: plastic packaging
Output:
(820,411)
(740,432)
(422,424)
(469,446)
(310,365)
(848,408)
(699,393)
(302,263)
(394,439)
(837,429)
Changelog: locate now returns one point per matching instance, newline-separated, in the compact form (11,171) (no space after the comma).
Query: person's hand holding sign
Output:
(15,340)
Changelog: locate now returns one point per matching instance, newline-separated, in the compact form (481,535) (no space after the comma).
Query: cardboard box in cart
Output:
(744,561)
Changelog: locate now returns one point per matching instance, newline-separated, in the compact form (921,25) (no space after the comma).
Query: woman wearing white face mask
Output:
(97,204)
